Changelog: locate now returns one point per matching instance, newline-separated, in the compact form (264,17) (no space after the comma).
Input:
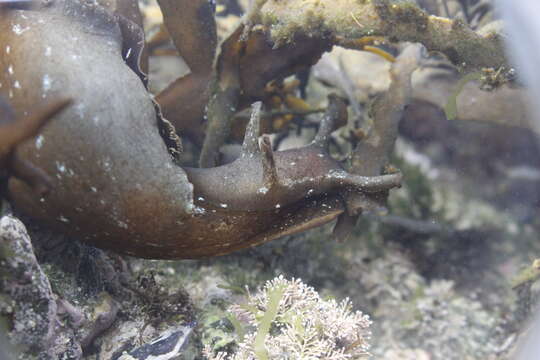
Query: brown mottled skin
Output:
(114,182)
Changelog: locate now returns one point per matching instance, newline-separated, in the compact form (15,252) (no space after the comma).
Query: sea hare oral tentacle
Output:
(115,184)
(15,131)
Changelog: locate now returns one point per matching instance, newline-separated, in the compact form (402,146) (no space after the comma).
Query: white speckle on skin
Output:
(199,210)
(61,167)
(48,51)
(18,29)
(106,164)
(63,219)
(8,49)
(93,189)
(122,224)
(46,84)
(223,205)
(278,206)
(10,70)
(17,84)
(80,110)
(263,190)
(39,141)
(293,163)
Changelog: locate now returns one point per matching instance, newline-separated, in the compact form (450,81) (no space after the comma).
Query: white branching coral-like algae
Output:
(289,320)
(396,20)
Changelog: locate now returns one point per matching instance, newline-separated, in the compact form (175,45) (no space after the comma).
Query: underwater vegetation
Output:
(287,115)
(288,319)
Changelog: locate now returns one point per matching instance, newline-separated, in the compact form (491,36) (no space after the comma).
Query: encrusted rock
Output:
(27,301)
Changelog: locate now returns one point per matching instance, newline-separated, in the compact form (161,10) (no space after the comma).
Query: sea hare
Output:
(115,184)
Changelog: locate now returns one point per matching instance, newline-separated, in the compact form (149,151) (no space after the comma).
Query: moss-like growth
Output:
(398,21)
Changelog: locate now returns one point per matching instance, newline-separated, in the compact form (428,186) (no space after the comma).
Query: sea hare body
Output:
(114,182)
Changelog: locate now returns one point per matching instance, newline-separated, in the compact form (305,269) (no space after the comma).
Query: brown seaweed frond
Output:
(280,38)
(192,28)
(370,157)
(247,62)
(243,70)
